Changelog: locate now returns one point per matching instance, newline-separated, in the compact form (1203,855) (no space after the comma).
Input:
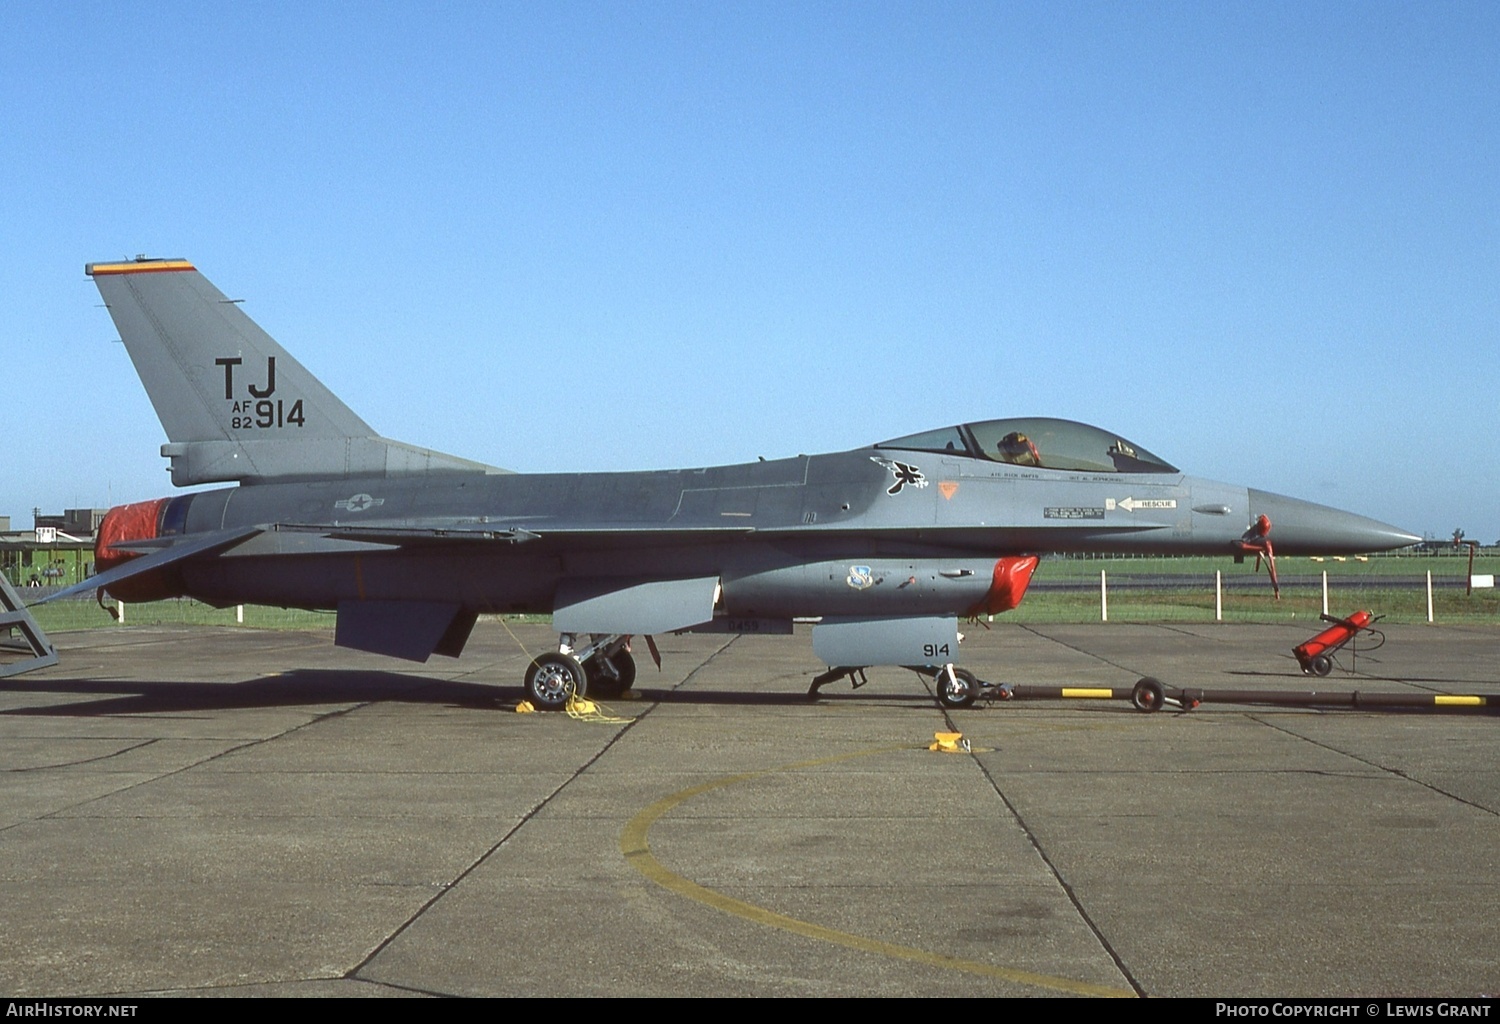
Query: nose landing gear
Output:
(956,687)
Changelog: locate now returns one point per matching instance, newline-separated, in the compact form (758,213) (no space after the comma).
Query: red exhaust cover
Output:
(123,523)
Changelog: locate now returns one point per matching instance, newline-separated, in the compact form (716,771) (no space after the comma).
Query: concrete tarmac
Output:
(231,812)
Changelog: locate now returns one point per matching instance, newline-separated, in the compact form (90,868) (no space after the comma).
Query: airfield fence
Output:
(1405,587)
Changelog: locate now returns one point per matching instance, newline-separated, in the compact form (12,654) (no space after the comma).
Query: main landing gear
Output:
(603,666)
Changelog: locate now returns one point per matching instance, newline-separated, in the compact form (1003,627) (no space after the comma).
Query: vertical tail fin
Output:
(234,404)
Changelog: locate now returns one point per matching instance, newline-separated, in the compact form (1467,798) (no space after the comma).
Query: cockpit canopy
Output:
(1038,441)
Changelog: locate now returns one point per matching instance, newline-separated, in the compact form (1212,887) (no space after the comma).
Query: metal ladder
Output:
(32,644)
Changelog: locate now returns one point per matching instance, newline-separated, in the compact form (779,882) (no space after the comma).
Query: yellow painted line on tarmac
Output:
(1095,693)
(1458,700)
(635,845)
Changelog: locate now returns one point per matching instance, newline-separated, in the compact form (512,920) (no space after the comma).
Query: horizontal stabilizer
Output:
(187,547)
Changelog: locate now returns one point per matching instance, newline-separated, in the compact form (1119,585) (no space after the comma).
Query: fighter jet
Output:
(887,547)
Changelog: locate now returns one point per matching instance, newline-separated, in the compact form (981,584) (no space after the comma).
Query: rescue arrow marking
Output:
(1131,504)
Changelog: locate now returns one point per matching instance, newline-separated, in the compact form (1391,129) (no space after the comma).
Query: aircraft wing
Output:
(186,547)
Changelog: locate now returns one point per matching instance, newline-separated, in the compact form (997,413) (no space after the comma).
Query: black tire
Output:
(1321,665)
(957,690)
(605,685)
(1149,695)
(553,679)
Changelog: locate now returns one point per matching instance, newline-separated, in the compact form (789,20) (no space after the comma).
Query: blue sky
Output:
(1258,239)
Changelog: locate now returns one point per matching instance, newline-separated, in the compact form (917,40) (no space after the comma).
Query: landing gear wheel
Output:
(956,687)
(552,679)
(1321,665)
(605,685)
(1148,695)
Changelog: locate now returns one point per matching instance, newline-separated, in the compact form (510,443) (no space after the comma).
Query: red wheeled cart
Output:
(1316,655)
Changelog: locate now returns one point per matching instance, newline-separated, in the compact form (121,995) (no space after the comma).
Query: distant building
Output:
(57,551)
(80,522)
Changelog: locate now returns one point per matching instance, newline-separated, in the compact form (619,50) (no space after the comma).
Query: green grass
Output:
(64,615)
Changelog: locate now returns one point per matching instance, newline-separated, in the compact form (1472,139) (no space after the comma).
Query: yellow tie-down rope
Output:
(580,709)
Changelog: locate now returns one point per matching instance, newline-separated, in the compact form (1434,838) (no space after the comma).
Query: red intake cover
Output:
(1012,577)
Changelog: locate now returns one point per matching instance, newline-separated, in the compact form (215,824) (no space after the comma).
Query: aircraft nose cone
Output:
(1303,528)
